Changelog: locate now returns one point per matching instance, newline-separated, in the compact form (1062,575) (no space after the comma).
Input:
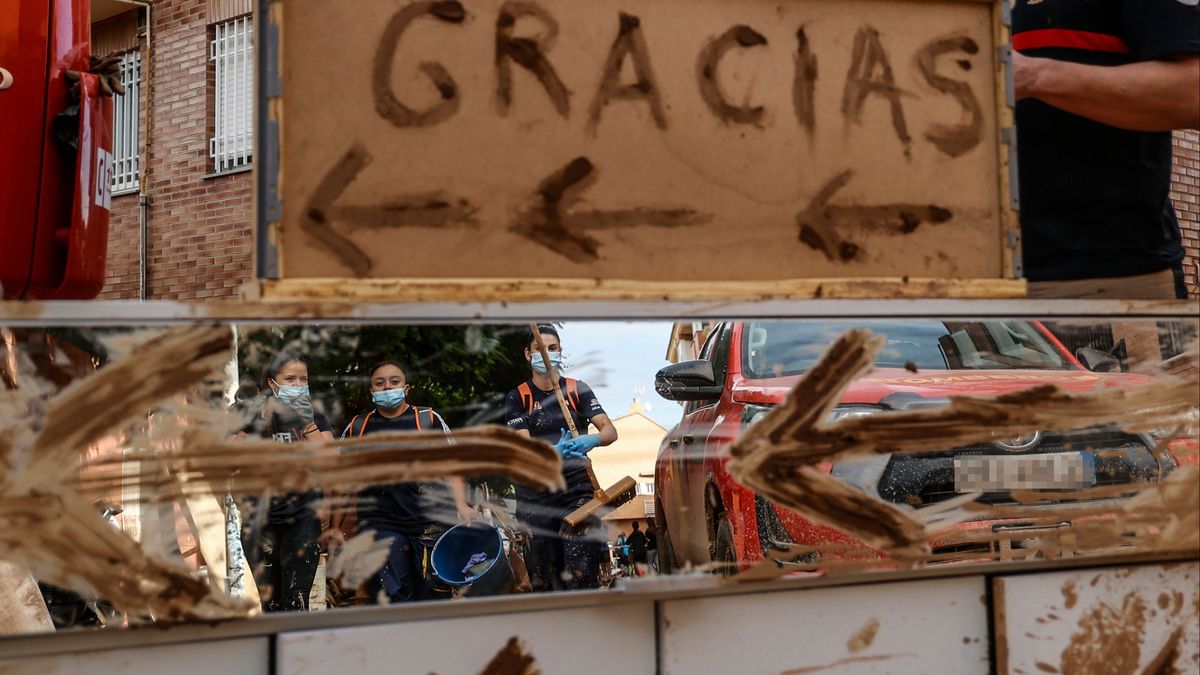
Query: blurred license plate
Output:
(1051,471)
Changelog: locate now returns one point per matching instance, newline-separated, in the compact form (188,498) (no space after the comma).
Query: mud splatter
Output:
(1108,639)
(804,84)
(706,73)
(821,223)
(1163,662)
(1070,597)
(386,104)
(1045,667)
(959,139)
(548,223)
(317,223)
(528,53)
(249,468)
(434,209)
(845,662)
(864,636)
(867,57)
(512,659)
(630,44)
(358,558)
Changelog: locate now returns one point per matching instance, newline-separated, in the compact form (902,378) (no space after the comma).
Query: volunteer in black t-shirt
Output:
(285,554)
(558,558)
(413,515)
(1100,85)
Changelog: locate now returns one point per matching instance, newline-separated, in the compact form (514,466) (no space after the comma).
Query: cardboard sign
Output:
(675,140)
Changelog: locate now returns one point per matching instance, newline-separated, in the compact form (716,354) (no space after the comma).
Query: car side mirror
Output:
(688,381)
(1097,361)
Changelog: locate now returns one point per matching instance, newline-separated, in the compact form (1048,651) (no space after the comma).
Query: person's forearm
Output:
(1147,96)
(458,488)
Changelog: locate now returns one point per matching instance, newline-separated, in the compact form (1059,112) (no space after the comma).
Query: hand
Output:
(580,447)
(466,514)
(563,439)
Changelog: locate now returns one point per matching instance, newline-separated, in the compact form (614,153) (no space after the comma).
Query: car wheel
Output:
(724,555)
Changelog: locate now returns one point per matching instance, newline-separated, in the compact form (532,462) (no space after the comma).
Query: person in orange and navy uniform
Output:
(1100,84)
(413,515)
(559,557)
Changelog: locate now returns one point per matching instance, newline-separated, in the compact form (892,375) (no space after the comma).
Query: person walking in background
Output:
(651,546)
(637,548)
(412,515)
(285,553)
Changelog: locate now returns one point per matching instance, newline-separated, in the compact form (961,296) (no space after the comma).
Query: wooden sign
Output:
(674,140)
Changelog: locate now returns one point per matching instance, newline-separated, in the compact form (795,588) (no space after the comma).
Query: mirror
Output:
(200,448)
(687,381)
(1097,361)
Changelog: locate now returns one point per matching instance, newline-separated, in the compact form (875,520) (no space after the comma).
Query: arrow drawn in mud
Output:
(550,224)
(426,209)
(820,224)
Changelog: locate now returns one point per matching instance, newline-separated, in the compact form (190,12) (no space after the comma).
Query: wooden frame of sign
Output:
(679,149)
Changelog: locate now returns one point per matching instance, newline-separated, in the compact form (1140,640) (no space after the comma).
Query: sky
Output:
(618,359)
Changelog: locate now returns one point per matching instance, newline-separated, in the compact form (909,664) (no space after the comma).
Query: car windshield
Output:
(778,349)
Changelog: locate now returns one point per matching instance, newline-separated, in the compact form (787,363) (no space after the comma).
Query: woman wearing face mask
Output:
(413,515)
(287,546)
(555,561)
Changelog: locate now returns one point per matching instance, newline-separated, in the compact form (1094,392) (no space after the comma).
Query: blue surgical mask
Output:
(388,399)
(556,360)
(290,394)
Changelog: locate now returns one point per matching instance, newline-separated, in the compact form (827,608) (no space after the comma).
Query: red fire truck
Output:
(55,153)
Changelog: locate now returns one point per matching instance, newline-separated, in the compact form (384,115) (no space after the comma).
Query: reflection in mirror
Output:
(230,471)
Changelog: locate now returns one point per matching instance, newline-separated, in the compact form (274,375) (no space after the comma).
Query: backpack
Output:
(356,429)
(571,393)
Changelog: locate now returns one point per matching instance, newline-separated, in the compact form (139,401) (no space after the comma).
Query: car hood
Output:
(884,382)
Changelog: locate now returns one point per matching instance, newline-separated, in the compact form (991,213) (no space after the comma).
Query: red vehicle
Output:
(55,153)
(704,515)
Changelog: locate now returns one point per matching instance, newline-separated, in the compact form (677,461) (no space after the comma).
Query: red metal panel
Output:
(56,199)
(24,42)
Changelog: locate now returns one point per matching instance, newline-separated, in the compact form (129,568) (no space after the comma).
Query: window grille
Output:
(232,54)
(126,116)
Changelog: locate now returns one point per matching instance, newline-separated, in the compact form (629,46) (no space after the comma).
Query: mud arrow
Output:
(429,209)
(820,223)
(549,223)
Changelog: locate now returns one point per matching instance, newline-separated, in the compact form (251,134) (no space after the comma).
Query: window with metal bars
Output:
(232,54)
(126,118)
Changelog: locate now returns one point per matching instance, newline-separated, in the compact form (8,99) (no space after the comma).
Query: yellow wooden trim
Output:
(568,290)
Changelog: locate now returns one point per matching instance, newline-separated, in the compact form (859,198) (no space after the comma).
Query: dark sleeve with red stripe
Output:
(1155,29)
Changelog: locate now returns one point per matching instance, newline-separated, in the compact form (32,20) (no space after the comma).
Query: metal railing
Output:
(232,54)
(126,125)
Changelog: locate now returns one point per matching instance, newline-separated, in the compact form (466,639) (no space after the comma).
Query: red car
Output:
(703,515)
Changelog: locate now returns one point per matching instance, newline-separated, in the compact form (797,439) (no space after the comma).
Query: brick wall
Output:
(200,227)
(1185,193)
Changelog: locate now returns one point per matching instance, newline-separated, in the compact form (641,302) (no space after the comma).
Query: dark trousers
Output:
(407,576)
(558,559)
(288,567)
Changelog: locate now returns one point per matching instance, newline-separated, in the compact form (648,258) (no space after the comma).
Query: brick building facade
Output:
(199,221)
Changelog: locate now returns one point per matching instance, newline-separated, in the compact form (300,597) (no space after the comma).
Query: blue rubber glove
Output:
(580,447)
(563,440)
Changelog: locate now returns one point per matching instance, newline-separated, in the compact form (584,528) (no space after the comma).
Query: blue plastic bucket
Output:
(452,553)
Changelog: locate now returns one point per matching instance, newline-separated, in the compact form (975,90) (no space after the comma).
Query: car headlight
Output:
(843,411)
